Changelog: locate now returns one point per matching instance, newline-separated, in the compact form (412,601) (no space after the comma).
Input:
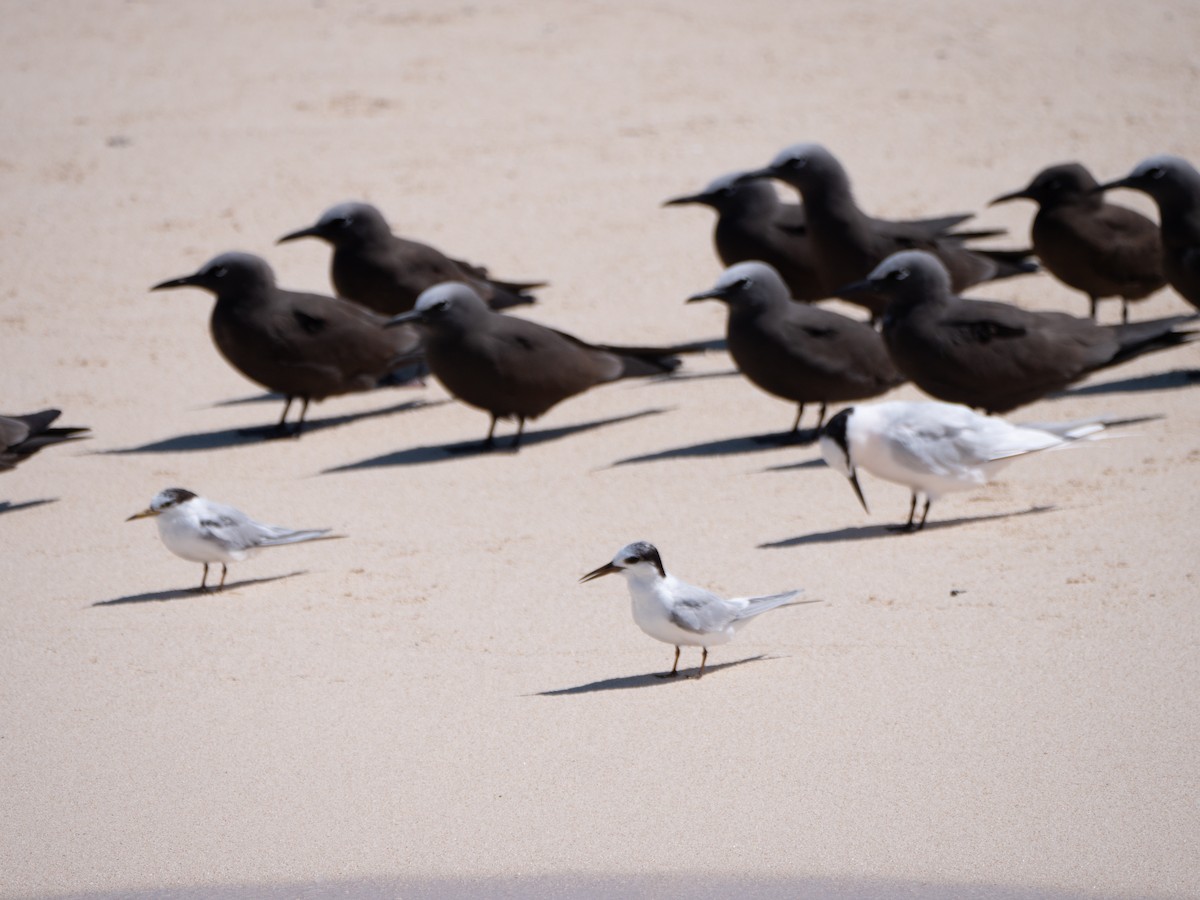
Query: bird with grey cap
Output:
(304,346)
(24,435)
(386,273)
(754,224)
(511,367)
(1096,247)
(848,244)
(936,448)
(989,355)
(204,531)
(678,613)
(798,352)
(1174,185)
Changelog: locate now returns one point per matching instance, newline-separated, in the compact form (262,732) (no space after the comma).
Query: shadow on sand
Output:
(729,446)
(7,507)
(644,681)
(232,437)
(877,531)
(441,453)
(1162,381)
(195,592)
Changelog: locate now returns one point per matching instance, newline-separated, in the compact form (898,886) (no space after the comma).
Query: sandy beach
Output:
(1001,706)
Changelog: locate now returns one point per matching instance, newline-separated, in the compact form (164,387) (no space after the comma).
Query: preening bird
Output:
(936,448)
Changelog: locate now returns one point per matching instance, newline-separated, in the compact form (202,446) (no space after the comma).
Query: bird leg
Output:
(924,514)
(820,420)
(204,579)
(703,660)
(912,511)
(799,414)
(488,442)
(303,413)
(516,444)
(1095,304)
(1124,311)
(674,669)
(224,569)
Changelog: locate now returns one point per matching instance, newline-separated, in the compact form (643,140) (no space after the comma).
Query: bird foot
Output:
(910,528)
(666,674)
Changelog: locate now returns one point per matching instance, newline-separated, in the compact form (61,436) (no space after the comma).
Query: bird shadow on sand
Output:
(7,507)
(1161,381)
(193,593)
(233,437)
(728,447)
(686,376)
(644,681)
(441,453)
(879,531)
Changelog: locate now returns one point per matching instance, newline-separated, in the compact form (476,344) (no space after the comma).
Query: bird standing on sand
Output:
(994,356)
(848,244)
(23,436)
(754,224)
(386,273)
(1174,185)
(678,613)
(202,531)
(305,346)
(1096,247)
(935,448)
(511,367)
(799,352)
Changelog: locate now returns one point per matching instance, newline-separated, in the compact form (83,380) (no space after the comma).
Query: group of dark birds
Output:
(403,309)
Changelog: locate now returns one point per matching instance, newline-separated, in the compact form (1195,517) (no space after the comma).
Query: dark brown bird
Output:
(305,346)
(993,356)
(511,367)
(23,436)
(387,273)
(848,244)
(1096,247)
(1174,185)
(754,224)
(801,353)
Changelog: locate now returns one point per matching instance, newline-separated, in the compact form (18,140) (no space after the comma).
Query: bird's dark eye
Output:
(1157,172)
(631,560)
(219,272)
(340,222)
(897,274)
(726,191)
(742,283)
(440,306)
(796,162)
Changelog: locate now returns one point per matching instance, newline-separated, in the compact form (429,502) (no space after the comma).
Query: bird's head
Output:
(639,558)
(226,275)
(163,501)
(344,225)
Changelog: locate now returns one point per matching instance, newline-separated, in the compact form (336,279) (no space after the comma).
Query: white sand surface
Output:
(1003,705)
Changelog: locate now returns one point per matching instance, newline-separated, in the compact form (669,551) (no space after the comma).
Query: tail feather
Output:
(1009,262)
(757,605)
(297,537)
(1145,337)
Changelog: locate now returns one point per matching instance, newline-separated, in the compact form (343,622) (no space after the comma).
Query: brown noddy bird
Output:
(1174,185)
(23,436)
(387,273)
(848,243)
(1096,247)
(799,352)
(994,356)
(306,346)
(511,367)
(754,224)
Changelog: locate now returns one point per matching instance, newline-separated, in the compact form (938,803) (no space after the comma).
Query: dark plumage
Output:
(848,244)
(753,223)
(1174,186)
(994,356)
(386,273)
(510,367)
(1096,247)
(801,353)
(23,436)
(305,346)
